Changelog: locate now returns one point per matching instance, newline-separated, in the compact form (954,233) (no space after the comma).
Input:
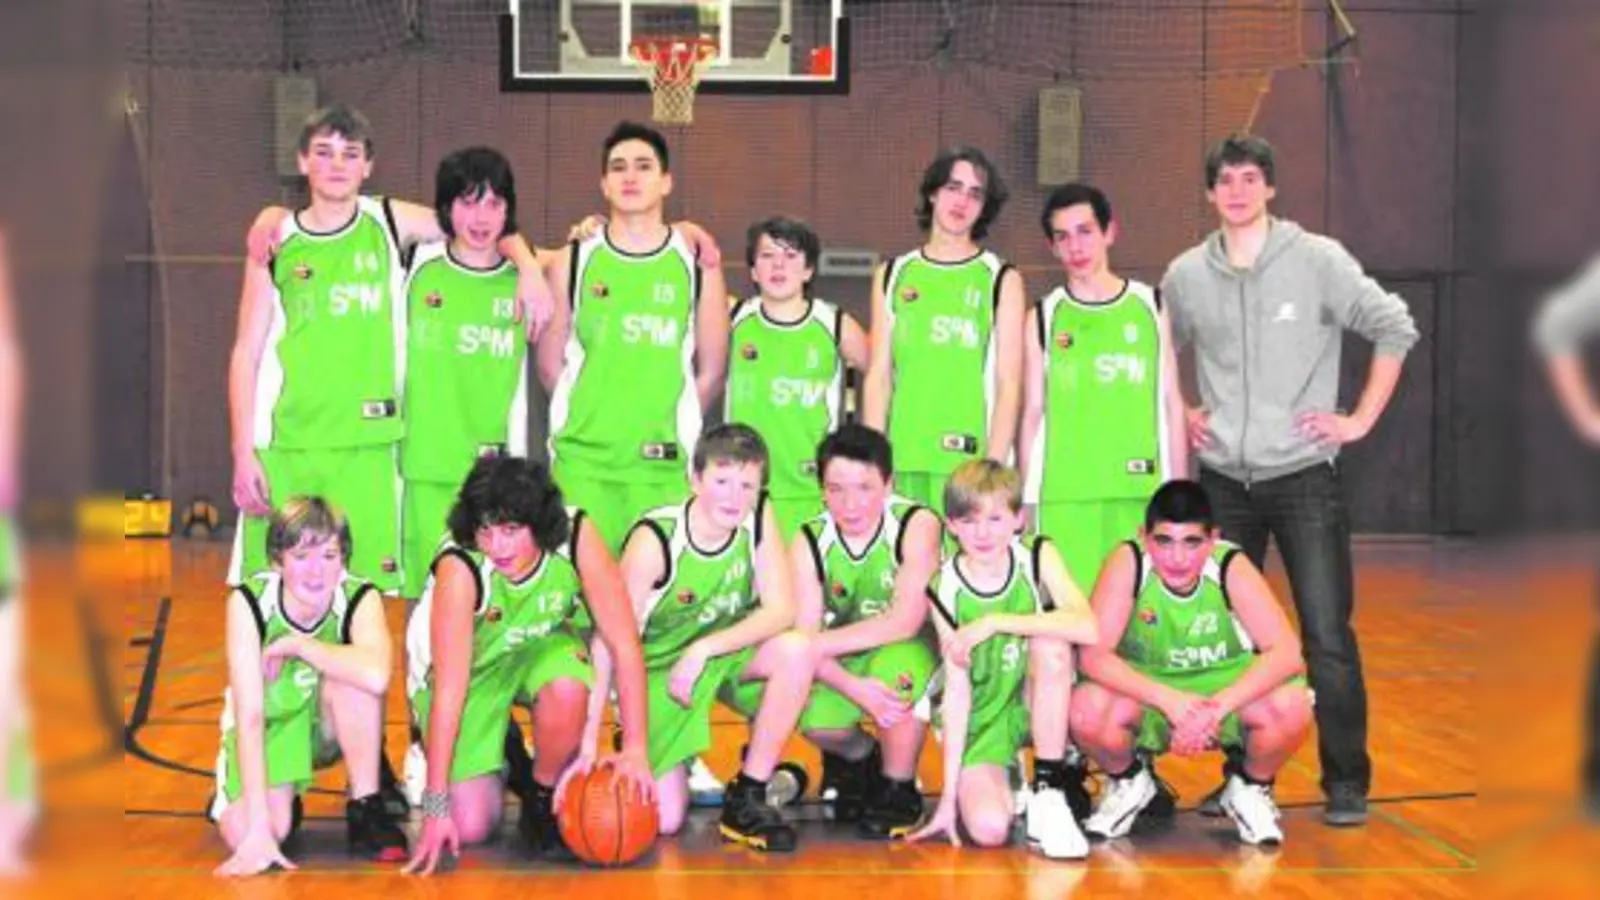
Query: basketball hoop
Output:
(674,63)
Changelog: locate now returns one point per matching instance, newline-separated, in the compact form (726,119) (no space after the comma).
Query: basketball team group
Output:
(1004,544)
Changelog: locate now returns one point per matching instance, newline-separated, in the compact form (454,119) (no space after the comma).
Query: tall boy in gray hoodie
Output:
(1264,304)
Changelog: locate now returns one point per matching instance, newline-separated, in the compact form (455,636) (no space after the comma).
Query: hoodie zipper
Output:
(1244,356)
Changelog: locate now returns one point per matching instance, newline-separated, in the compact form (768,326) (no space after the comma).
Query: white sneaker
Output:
(1124,799)
(415,775)
(705,789)
(1052,827)
(1251,807)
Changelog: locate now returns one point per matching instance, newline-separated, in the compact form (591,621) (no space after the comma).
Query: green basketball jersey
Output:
(626,403)
(704,590)
(509,618)
(333,365)
(10,557)
(785,380)
(1170,635)
(297,689)
(466,367)
(1104,435)
(941,324)
(999,665)
(858,585)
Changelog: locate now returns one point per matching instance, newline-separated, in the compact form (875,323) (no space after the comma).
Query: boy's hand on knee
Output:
(685,672)
(883,703)
(1197,732)
(277,653)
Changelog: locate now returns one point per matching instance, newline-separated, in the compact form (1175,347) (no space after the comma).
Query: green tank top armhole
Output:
(816,555)
(254,602)
(999,280)
(466,560)
(666,549)
(1046,602)
(905,525)
(362,591)
(1223,563)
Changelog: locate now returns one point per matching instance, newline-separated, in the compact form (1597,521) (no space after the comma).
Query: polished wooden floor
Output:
(1473,666)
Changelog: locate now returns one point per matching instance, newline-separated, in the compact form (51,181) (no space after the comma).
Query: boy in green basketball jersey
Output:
(945,381)
(315,381)
(308,661)
(1008,616)
(1196,654)
(466,391)
(17,804)
(1102,417)
(710,583)
(786,365)
(861,584)
(638,346)
(497,626)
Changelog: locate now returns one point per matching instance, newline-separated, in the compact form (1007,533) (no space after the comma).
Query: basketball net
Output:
(674,64)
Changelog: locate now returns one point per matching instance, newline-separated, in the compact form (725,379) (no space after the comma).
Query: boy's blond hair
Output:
(976,479)
(300,517)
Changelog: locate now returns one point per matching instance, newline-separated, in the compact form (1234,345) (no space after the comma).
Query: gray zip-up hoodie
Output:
(1267,342)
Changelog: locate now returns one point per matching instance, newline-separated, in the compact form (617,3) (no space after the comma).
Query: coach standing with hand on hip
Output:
(1264,304)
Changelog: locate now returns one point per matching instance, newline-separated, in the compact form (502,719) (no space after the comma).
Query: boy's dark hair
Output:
(857,443)
(788,232)
(338,119)
(937,175)
(1179,502)
(468,173)
(1238,150)
(503,490)
(633,131)
(1070,195)
(731,442)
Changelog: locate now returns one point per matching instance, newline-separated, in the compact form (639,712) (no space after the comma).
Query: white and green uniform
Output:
(786,380)
(704,590)
(859,585)
(1102,447)
(998,725)
(328,388)
(943,343)
(1192,642)
(625,415)
(466,390)
(294,743)
(523,638)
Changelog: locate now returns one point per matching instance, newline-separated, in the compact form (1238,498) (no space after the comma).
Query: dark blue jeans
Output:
(1306,514)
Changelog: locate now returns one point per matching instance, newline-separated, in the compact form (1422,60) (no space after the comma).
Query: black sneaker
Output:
(852,783)
(519,765)
(1347,806)
(538,826)
(896,811)
(389,789)
(748,819)
(373,833)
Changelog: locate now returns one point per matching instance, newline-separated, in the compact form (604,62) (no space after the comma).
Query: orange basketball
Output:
(603,822)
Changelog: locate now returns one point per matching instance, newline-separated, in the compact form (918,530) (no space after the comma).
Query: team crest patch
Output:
(904,682)
(839,590)
(1064,340)
(389,565)
(599,291)
(685,597)
(434,300)
(909,294)
(748,351)
(1147,616)
(493,614)
(582,654)
(302,272)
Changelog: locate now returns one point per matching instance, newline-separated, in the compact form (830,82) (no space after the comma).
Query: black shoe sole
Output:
(756,841)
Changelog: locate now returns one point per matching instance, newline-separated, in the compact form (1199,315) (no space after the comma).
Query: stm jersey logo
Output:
(1129,367)
(958,330)
(639,328)
(305,679)
(797,391)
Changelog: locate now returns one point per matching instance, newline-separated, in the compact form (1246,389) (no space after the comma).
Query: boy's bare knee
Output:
(988,829)
(791,648)
(1049,659)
